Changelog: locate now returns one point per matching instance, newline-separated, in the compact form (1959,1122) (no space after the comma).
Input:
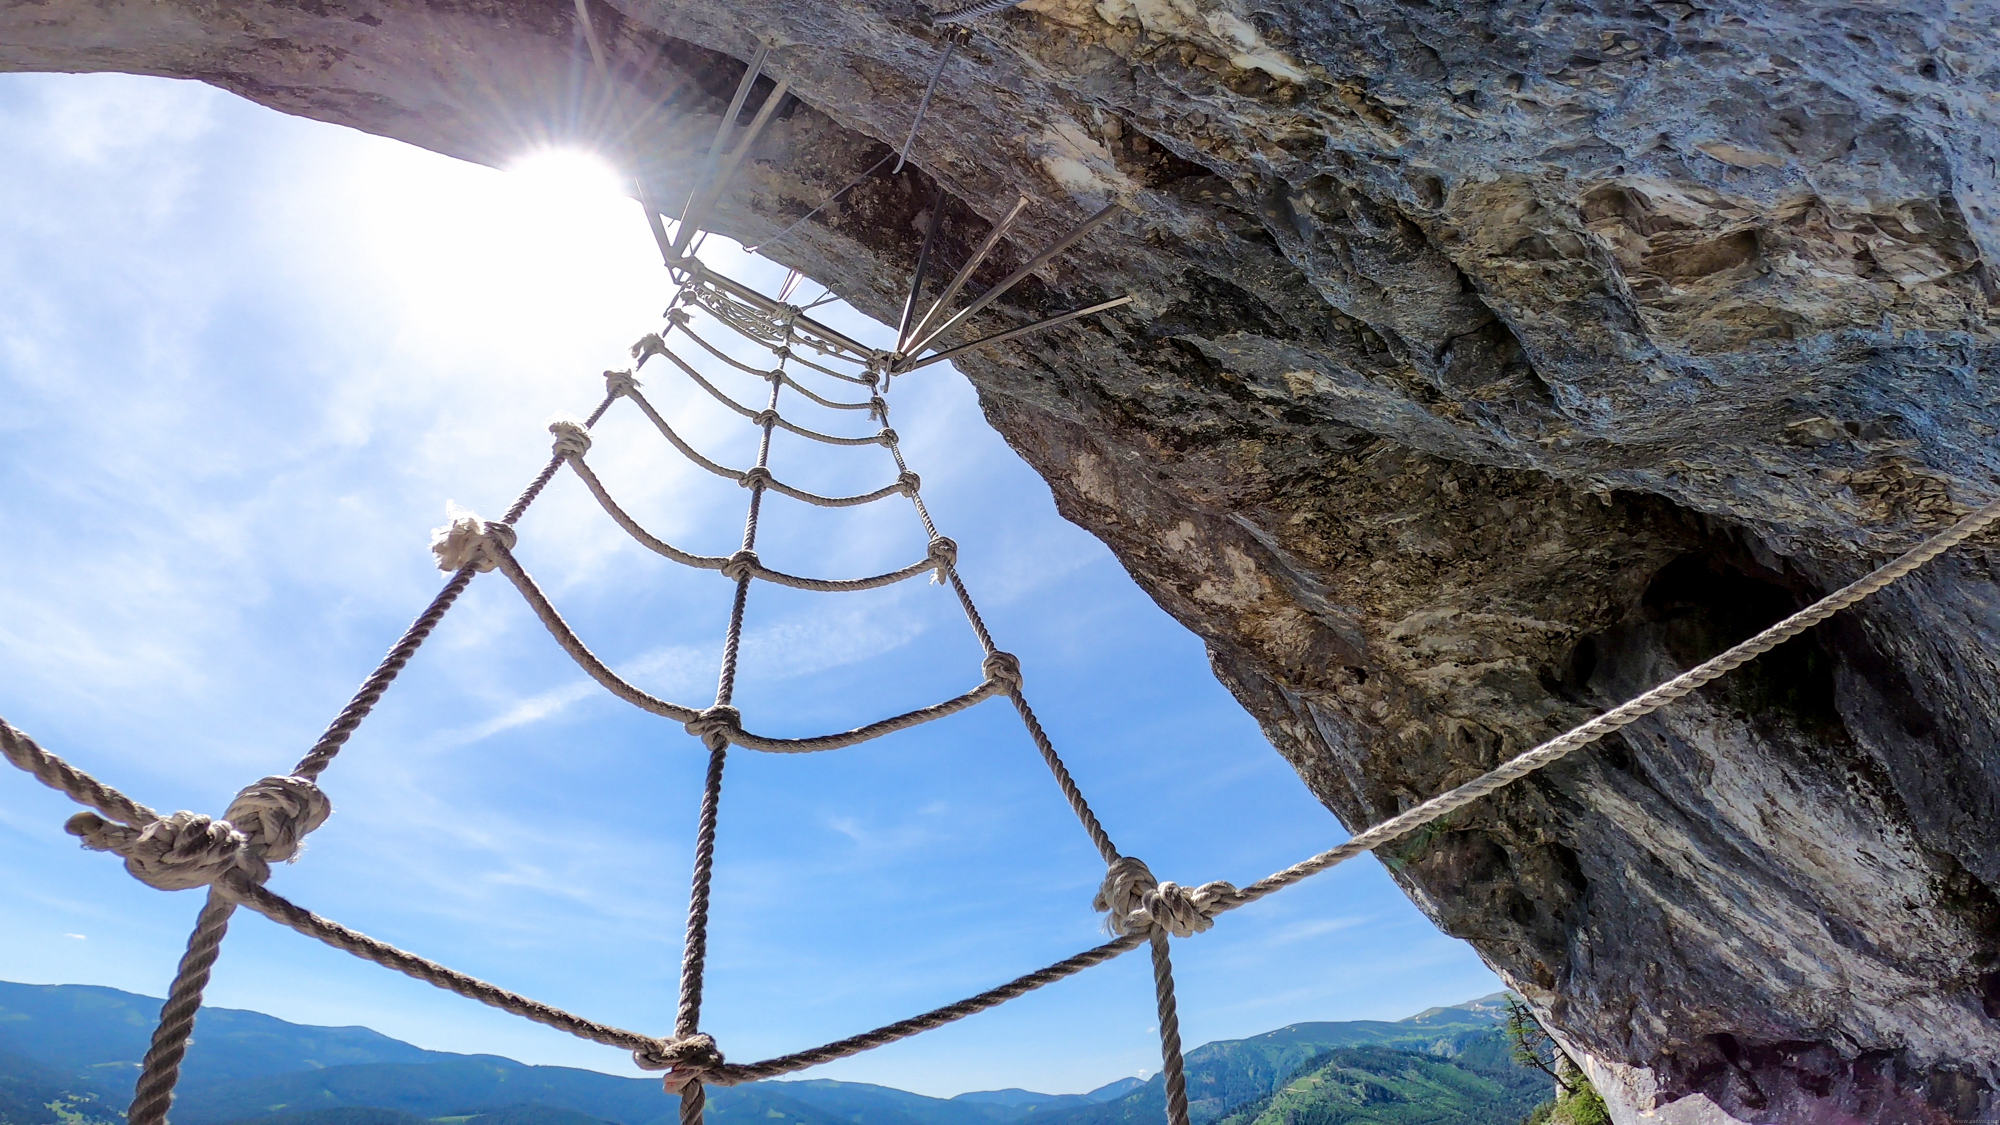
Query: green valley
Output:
(69,1055)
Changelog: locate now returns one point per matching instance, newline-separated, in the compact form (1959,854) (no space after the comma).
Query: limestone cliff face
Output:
(1490,361)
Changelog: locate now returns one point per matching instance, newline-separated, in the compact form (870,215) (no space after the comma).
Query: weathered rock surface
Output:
(1489,362)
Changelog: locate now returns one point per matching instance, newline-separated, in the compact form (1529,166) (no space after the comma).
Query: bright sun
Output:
(559,173)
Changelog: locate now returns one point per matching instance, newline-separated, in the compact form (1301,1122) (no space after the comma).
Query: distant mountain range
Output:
(69,1055)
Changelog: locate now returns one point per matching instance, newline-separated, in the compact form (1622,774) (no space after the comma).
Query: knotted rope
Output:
(467,541)
(690,1058)
(1134,902)
(572,440)
(267,821)
(1003,670)
(944,553)
(619,383)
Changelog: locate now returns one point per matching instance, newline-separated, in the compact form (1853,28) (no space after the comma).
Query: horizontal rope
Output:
(861,379)
(759,416)
(730,1074)
(645,538)
(715,562)
(585,659)
(680,443)
(239,888)
(778,373)
(872,731)
(830,404)
(1555,749)
(761,373)
(742,475)
(28,755)
(566,637)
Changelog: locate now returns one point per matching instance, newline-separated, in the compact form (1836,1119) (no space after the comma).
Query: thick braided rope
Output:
(867,380)
(654,344)
(567,639)
(585,659)
(735,1073)
(759,417)
(747,560)
(743,476)
(713,728)
(1071,792)
(830,404)
(1623,715)
(1173,1072)
(370,693)
(26,754)
(260,899)
(680,443)
(694,960)
(520,506)
(160,1071)
(350,718)
(872,731)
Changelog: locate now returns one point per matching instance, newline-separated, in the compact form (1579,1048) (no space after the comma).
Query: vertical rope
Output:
(1070,791)
(349,720)
(548,472)
(1172,1072)
(1094,828)
(694,958)
(154,1094)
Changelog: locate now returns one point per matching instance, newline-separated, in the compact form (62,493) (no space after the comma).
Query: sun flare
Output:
(565,173)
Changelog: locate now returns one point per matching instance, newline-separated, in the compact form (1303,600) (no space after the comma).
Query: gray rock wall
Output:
(1489,361)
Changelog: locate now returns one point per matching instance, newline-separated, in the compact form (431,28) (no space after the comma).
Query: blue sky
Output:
(245,362)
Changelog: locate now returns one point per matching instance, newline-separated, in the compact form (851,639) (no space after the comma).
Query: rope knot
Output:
(909,482)
(740,565)
(274,814)
(1003,668)
(186,850)
(651,344)
(618,383)
(755,477)
(944,552)
(887,437)
(782,352)
(572,440)
(679,315)
(689,1058)
(878,408)
(765,418)
(776,374)
(1134,902)
(469,541)
(716,725)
